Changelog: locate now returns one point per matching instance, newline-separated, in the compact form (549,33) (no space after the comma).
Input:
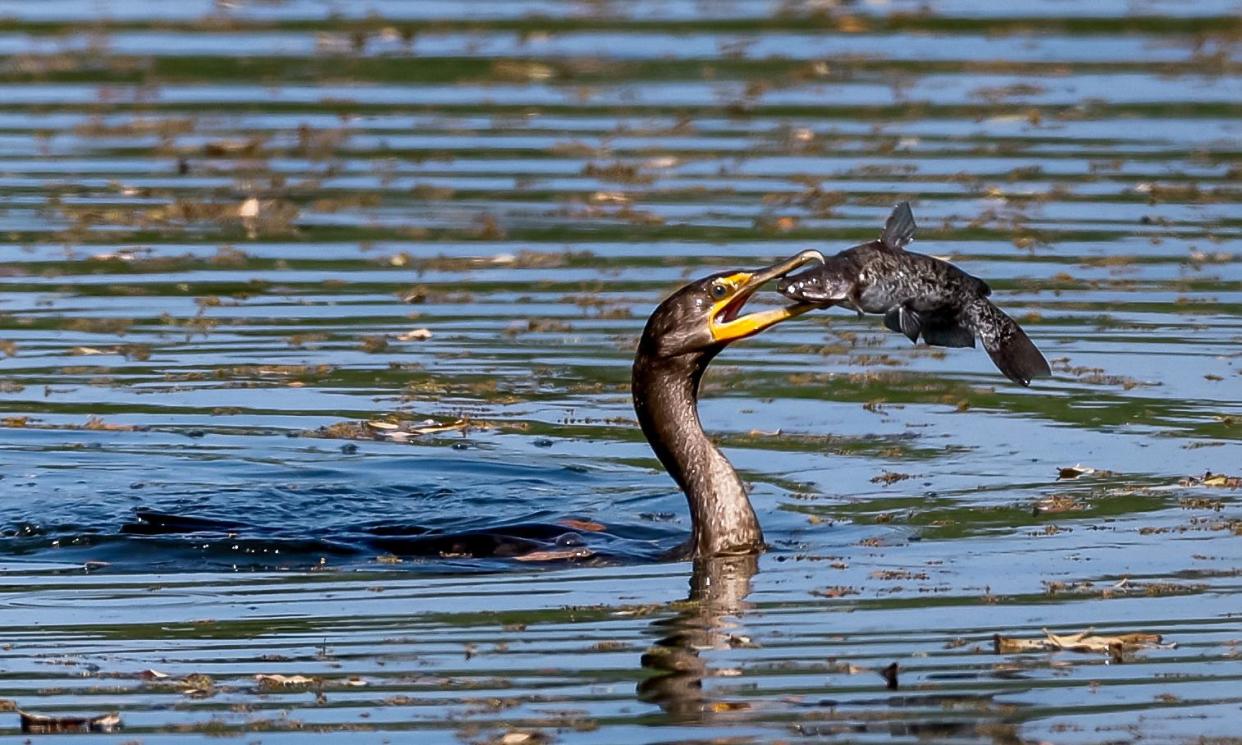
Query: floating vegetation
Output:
(1087,641)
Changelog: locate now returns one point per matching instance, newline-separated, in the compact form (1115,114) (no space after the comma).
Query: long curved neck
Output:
(666,401)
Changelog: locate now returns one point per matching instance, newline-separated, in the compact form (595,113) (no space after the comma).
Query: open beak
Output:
(725,323)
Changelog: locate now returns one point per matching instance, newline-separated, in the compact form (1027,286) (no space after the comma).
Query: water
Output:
(524,182)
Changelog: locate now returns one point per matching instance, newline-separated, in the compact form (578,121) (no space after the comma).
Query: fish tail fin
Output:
(1006,343)
(899,230)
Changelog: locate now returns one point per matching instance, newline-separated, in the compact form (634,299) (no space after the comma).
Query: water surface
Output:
(326,277)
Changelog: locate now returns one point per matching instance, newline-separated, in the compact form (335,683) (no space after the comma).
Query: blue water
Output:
(198,468)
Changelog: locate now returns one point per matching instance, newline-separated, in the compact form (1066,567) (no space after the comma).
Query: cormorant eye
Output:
(719,290)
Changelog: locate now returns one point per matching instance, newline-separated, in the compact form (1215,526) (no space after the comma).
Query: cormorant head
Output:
(705,316)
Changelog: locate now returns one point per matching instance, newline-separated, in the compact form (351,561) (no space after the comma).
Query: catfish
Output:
(919,296)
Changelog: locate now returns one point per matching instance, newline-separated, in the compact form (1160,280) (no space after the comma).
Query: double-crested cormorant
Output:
(682,336)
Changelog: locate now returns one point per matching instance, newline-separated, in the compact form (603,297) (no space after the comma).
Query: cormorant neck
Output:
(666,401)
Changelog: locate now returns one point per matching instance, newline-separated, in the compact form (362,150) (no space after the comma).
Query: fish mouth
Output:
(727,323)
(787,284)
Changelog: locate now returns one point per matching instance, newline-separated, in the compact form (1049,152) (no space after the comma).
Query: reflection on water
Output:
(290,291)
(712,618)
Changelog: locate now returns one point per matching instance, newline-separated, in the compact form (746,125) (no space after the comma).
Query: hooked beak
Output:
(725,324)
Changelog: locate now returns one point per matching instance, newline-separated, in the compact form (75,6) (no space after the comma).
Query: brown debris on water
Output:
(1097,375)
(1054,503)
(1074,471)
(39,724)
(251,147)
(97,423)
(538,326)
(414,335)
(374,344)
(1216,480)
(618,172)
(890,575)
(273,681)
(837,591)
(1084,641)
(342,431)
(520,737)
(394,431)
(888,478)
(521,71)
(197,685)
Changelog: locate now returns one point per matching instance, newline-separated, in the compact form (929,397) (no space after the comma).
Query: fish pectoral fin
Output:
(848,304)
(899,230)
(911,324)
(892,320)
(905,321)
(950,334)
(855,300)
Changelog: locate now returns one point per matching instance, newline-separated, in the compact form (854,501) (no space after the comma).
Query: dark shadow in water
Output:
(403,540)
(154,537)
(718,591)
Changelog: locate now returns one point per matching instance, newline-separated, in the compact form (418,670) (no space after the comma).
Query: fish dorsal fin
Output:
(899,230)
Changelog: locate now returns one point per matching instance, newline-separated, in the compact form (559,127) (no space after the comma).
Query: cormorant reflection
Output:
(718,590)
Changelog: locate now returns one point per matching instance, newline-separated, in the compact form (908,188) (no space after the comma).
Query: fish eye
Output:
(719,290)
